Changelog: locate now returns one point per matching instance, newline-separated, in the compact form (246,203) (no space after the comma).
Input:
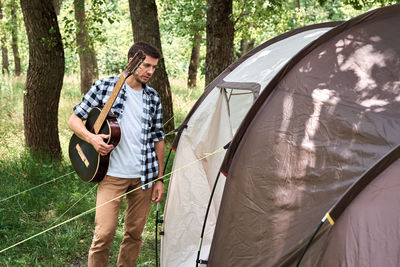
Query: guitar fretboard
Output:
(107,107)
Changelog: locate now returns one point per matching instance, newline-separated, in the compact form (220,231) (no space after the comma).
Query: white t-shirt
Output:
(125,158)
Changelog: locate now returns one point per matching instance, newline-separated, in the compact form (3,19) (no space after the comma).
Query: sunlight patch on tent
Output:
(287,108)
(374,102)
(361,63)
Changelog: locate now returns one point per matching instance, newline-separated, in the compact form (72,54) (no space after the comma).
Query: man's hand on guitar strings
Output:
(99,145)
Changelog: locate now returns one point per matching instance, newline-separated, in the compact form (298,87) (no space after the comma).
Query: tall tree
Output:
(220,35)
(3,41)
(87,56)
(14,37)
(145,28)
(44,77)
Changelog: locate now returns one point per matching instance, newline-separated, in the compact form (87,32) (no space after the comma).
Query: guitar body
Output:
(88,164)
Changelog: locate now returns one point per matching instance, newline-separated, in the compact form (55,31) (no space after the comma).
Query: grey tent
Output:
(314,119)
(211,124)
(320,143)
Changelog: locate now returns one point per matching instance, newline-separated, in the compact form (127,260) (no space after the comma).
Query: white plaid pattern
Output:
(152,126)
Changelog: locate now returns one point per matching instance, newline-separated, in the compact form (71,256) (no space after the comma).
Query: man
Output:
(134,163)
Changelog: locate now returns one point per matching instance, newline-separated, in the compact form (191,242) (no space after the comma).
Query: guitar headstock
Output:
(137,59)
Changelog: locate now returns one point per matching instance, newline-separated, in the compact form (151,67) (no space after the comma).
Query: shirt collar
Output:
(146,89)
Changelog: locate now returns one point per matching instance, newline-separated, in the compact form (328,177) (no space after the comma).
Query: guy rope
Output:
(105,203)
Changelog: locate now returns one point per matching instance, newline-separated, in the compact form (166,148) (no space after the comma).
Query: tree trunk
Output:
(44,77)
(220,35)
(194,61)
(14,38)
(94,63)
(85,51)
(245,46)
(57,6)
(3,41)
(4,53)
(145,28)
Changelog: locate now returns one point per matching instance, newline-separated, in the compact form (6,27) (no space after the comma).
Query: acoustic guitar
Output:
(88,164)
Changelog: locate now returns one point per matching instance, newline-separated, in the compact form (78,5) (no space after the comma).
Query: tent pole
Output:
(310,241)
(157,211)
(204,223)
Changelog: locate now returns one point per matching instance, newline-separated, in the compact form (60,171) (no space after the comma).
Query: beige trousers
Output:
(138,207)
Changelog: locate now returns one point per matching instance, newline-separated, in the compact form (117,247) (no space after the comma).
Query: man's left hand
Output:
(158,191)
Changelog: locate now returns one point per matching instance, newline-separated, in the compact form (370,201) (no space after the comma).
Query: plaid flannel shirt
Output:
(152,127)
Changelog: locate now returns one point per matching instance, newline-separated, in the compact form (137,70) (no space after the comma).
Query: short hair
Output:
(146,48)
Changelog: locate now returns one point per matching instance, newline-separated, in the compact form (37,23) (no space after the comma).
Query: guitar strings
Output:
(94,208)
(37,186)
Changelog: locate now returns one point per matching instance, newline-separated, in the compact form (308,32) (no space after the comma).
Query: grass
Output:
(36,210)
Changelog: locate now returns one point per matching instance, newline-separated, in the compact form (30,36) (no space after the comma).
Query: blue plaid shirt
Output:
(152,127)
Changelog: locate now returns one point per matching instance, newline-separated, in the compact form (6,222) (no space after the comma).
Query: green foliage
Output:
(180,21)
(100,17)
(178,49)
(109,27)
(11,110)
(254,20)
(7,25)
(250,16)
(282,16)
(363,4)
(97,13)
(183,18)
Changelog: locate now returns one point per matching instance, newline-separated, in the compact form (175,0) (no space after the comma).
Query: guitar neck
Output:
(107,107)
(134,63)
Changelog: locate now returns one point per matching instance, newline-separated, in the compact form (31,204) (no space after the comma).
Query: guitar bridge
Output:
(82,155)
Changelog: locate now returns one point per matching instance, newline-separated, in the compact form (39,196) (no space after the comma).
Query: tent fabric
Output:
(185,205)
(211,124)
(367,233)
(330,114)
(308,34)
(371,184)
(363,182)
